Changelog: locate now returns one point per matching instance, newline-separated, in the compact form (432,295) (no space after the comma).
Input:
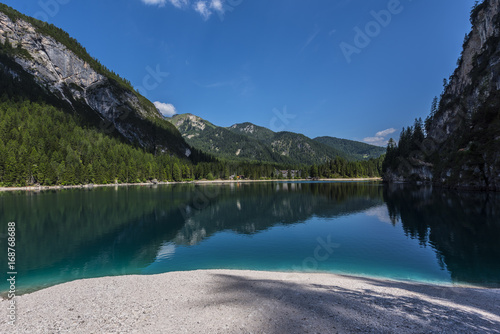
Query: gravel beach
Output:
(229,301)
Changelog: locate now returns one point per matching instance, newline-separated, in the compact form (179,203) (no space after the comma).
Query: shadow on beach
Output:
(281,306)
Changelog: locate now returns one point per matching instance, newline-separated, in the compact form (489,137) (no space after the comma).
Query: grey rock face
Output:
(72,79)
(474,86)
(471,90)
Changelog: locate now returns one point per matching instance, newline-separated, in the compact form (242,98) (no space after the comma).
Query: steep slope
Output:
(462,146)
(37,52)
(361,151)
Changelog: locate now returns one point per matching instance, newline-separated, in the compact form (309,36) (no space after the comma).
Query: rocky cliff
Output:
(59,65)
(462,144)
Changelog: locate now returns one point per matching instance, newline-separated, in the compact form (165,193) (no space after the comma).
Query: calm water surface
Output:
(361,228)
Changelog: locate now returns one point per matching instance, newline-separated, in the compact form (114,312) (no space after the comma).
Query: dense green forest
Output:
(354,149)
(41,144)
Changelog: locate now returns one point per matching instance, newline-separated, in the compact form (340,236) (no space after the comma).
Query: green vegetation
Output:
(17,84)
(253,131)
(16,51)
(341,168)
(154,122)
(224,143)
(478,6)
(40,144)
(354,149)
(252,143)
(407,149)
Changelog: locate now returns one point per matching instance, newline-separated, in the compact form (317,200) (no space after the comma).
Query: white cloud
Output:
(381,213)
(217,6)
(380,137)
(166,251)
(179,3)
(385,132)
(166,109)
(379,141)
(202,8)
(161,3)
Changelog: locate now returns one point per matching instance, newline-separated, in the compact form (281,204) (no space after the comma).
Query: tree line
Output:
(43,145)
(409,144)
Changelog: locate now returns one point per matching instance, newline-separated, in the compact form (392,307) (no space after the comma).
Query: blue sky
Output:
(351,69)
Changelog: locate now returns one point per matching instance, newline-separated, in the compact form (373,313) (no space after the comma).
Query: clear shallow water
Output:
(361,228)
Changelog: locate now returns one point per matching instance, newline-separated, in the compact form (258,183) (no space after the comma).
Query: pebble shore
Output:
(229,301)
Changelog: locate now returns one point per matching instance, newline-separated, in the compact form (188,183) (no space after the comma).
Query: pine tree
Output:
(176,173)
(313,172)
(418,133)
(10,173)
(434,106)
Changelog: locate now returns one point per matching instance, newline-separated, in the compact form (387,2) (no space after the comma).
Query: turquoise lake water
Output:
(360,228)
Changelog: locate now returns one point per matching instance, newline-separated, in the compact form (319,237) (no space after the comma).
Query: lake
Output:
(360,228)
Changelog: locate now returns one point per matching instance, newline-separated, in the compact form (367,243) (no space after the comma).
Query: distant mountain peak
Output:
(244,127)
(247,141)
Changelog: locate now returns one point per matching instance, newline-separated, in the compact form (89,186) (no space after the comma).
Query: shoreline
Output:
(241,301)
(91,186)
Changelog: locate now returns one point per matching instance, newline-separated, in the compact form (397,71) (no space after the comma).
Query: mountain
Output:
(222,142)
(247,141)
(359,150)
(253,131)
(65,119)
(461,144)
(42,62)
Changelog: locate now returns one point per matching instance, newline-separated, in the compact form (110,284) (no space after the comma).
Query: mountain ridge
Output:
(247,141)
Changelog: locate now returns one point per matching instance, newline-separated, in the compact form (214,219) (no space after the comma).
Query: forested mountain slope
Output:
(247,141)
(43,59)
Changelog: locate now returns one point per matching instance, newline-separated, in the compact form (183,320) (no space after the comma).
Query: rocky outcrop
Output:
(462,146)
(476,77)
(87,90)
